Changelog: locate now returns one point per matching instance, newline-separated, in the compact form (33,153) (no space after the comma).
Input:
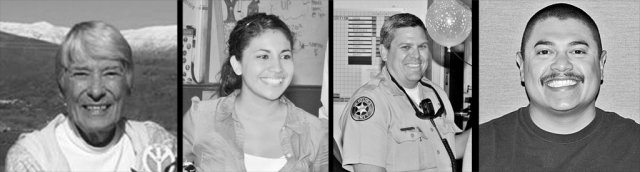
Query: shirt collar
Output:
(391,88)
(227,109)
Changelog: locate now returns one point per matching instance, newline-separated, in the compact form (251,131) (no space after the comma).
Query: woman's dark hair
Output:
(244,31)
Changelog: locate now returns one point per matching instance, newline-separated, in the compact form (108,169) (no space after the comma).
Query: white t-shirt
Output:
(84,157)
(414,94)
(256,163)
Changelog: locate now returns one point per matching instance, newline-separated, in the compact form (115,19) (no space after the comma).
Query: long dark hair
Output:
(244,31)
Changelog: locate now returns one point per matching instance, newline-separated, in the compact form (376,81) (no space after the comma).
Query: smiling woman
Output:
(94,69)
(252,126)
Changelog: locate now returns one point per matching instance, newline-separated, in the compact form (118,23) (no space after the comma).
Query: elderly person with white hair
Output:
(94,68)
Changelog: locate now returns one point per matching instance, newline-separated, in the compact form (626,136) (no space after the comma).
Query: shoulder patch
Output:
(362,109)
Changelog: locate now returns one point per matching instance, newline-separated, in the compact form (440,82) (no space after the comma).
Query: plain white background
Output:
(502,24)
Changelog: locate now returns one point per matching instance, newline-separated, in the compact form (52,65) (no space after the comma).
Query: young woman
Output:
(252,127)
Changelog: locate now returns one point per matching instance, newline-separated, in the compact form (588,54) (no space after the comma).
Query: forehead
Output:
(554,29)
(95,63)
(409,35)
(269,39)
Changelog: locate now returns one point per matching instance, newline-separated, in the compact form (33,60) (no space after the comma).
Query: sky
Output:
(124,14)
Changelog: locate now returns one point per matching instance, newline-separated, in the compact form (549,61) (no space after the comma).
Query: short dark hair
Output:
(391,24)
(240,37)
(561,11)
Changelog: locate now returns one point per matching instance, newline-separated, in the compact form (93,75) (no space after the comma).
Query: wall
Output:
(307,19)
(501,26)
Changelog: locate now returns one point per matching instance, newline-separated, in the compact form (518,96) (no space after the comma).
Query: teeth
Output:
(96,107)
(272,81)
(413,65)
(561,83)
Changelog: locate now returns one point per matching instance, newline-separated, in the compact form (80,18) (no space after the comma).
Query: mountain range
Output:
(147,39)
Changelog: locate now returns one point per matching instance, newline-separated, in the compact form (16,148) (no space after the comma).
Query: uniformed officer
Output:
(381,129)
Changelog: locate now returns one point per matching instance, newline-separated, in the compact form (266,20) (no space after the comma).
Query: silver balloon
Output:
(448,22)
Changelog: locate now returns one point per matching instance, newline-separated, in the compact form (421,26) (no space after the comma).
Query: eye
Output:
(79,74)
(405,47)
(422,47)
(263,56)
(543,52)
(578,52)
(113,73)
(286,57)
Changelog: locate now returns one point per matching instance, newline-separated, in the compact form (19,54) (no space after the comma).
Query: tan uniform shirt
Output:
(371,129)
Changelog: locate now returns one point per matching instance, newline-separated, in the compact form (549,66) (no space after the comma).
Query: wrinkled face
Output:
(94,90)
(266,66)
(407,56)
(561,69)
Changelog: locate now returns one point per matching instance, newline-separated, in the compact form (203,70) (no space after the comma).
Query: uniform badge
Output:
(362,109)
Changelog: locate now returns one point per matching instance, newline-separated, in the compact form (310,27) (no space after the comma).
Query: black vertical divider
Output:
(474,82)
(179,95)
(334,165)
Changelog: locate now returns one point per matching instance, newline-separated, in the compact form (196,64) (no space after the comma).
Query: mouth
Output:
(413,65)
(96,109)
(557,80)
(272,81)
(561,83)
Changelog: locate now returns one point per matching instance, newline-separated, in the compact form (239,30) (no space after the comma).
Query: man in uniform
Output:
(381,129)
(561,64)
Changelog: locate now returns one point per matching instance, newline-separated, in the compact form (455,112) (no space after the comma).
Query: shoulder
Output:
(499,128)
(19,159)
(155,132)
(500,123)
(315,123)
(619,125)
(203,107)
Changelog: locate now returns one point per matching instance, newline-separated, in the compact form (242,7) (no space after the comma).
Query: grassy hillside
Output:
(29,95)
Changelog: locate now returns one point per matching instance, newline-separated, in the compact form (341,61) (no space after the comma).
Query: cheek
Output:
(118,87)
(73,89)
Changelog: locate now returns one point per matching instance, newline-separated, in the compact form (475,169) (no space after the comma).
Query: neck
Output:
(407,84)
(562,122)
(247,103)
(97,138)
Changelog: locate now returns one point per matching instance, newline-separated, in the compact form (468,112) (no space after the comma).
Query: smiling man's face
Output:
(561,67)
(407,56)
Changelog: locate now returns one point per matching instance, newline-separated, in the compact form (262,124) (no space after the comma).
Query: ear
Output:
(383,52)
(520,63)
(235,64)
(129,79)
(603,59)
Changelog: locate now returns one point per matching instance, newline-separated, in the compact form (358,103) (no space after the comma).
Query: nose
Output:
(96,90)
(415,53)
(276,66)
(562,63)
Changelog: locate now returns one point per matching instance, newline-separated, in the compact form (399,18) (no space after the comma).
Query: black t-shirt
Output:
(514,143)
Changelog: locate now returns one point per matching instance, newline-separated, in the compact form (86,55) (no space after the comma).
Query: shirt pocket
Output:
(408,150)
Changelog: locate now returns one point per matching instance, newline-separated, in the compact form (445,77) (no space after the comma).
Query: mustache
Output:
(570,75)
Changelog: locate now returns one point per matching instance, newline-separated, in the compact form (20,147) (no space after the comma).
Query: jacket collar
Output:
(226,109)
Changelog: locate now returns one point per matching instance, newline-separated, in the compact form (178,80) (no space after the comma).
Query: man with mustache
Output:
(561,65)
(383,129)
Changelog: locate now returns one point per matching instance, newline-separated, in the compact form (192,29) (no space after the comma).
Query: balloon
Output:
(448,22)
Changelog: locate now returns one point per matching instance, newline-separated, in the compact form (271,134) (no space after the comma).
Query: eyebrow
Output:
(581,42)
(543,42)
(268,51)
(87,68)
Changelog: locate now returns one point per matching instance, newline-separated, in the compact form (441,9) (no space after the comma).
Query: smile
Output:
(96,109)
(412,65)
(561,83)
(272,81)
